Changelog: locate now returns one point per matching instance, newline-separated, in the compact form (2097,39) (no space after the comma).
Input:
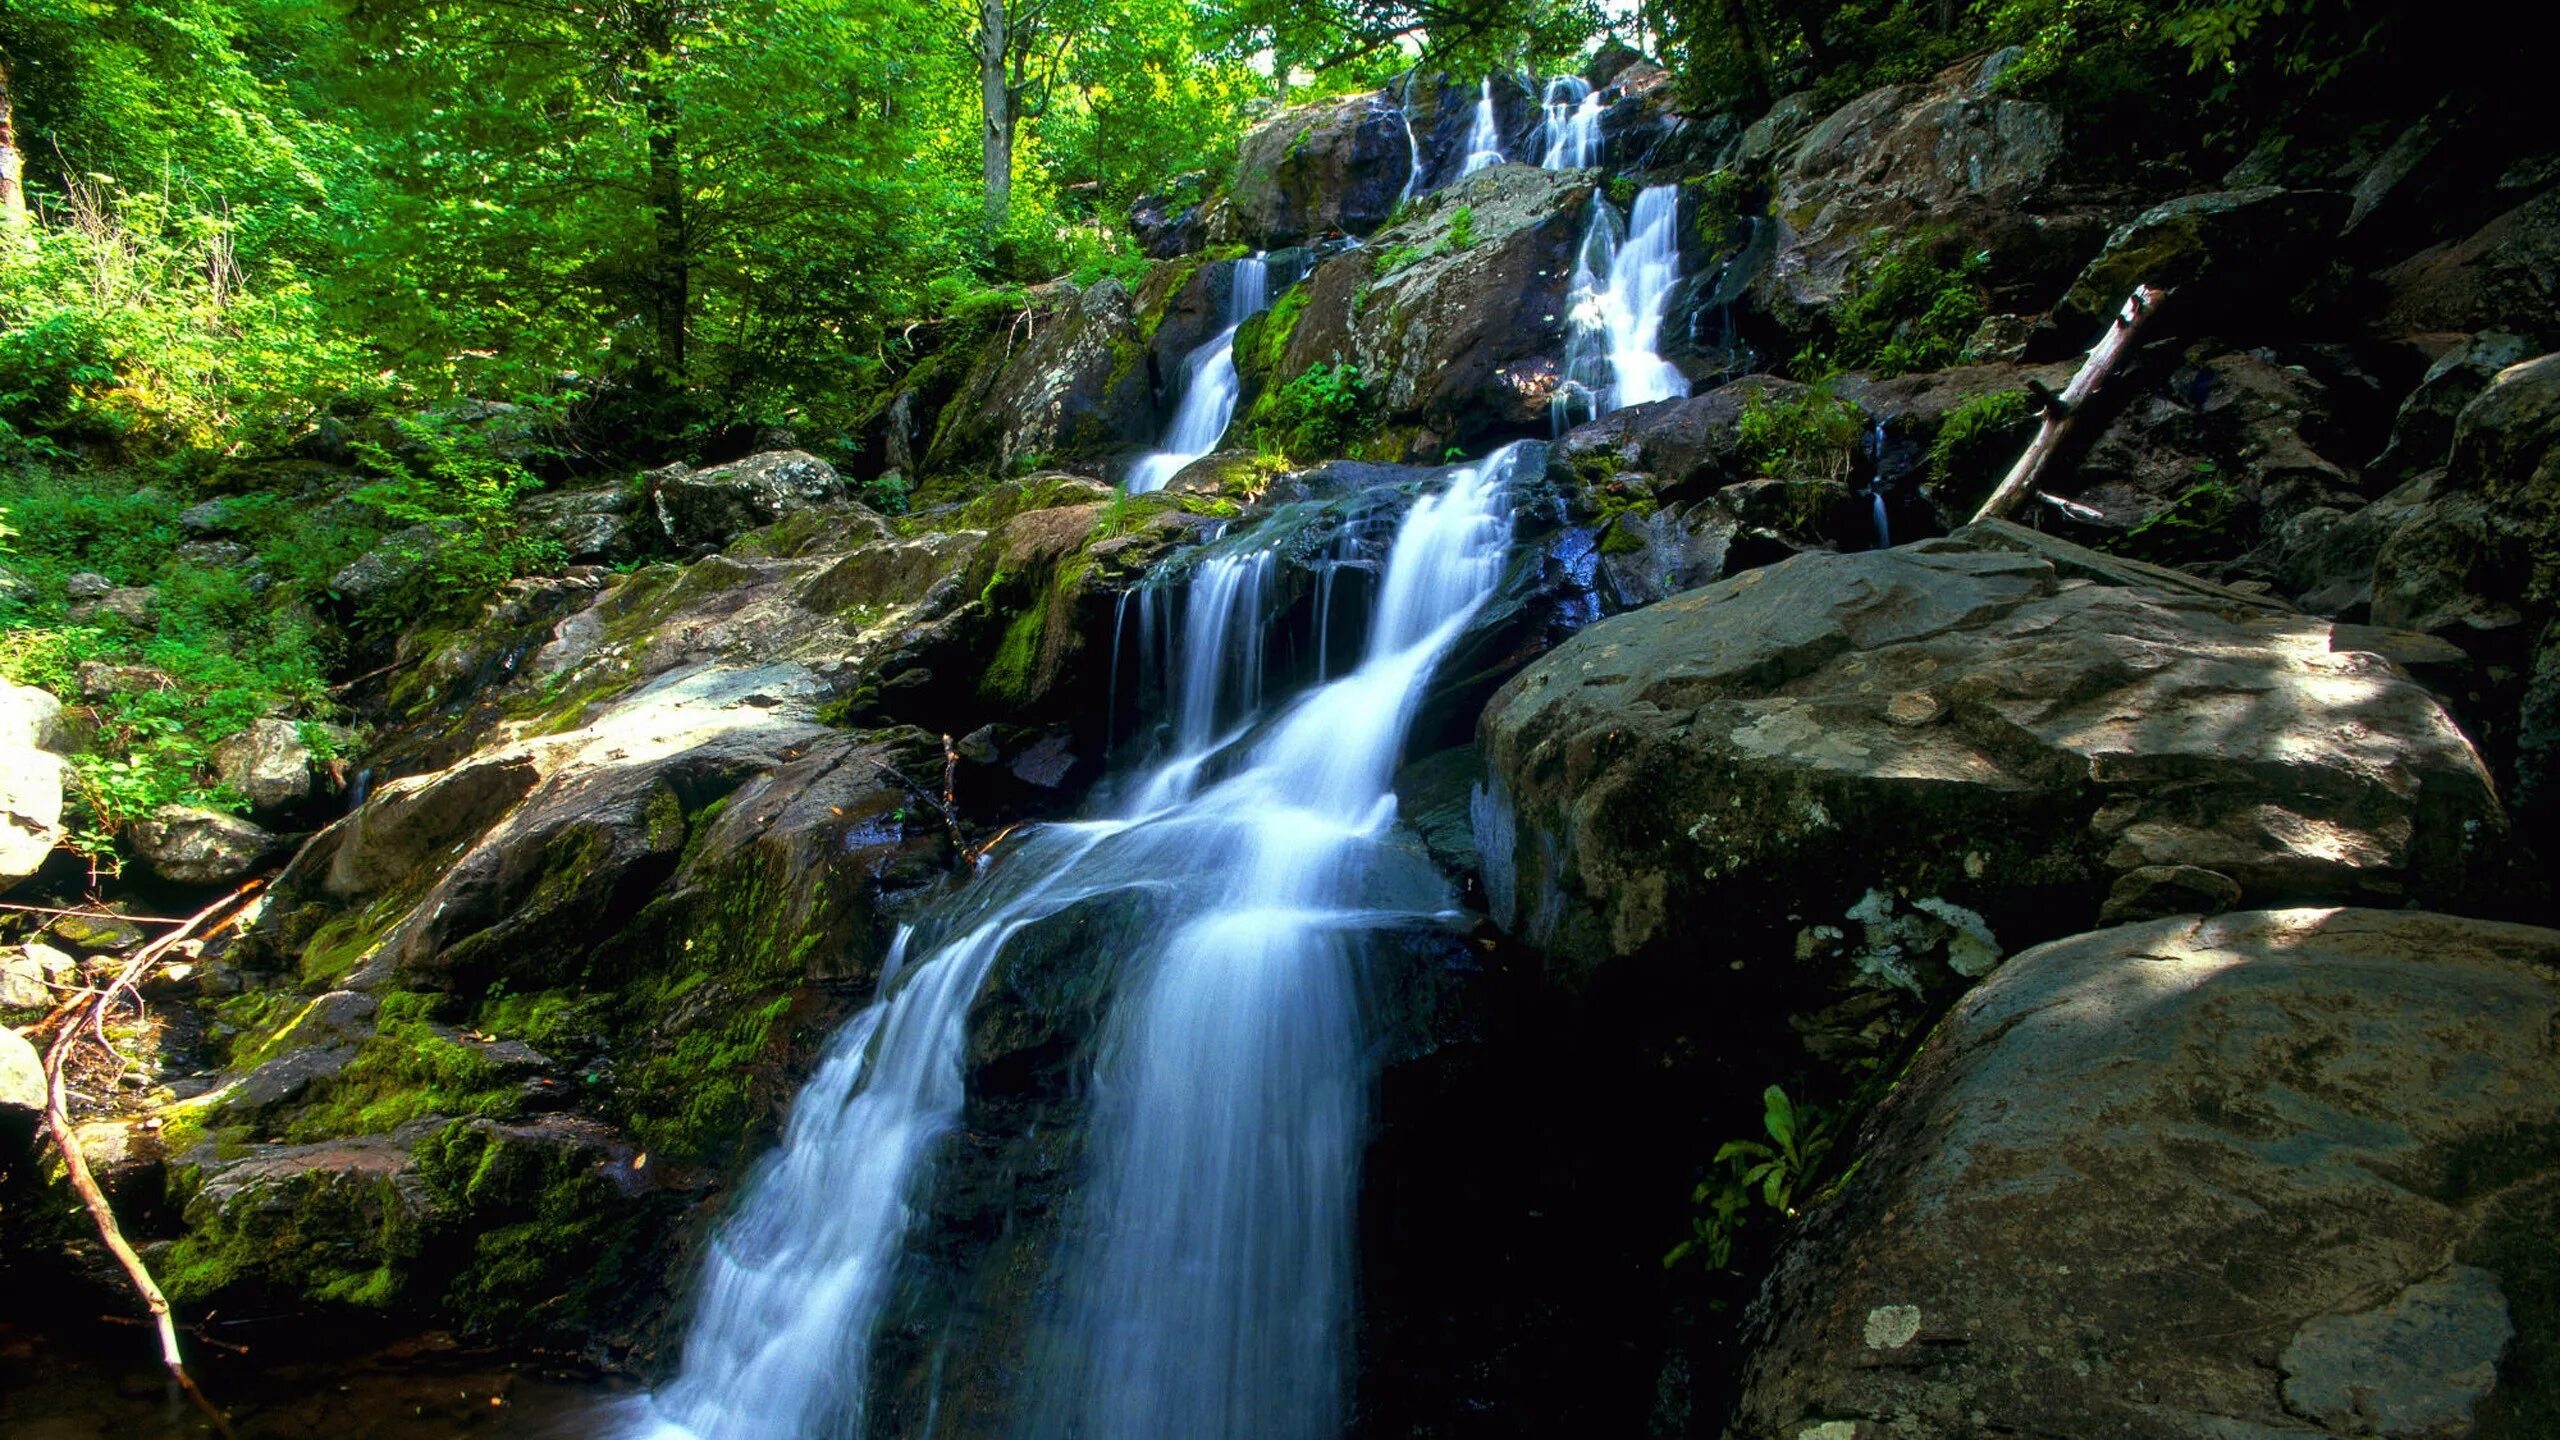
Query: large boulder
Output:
(1067,379)
(1998,740)
(1952,153)
(2229,257)
(186,845)
(1312,170)
(701,510)
(22,1090)
(2500,277)
(2274,1173)
(268,764)
(1453,320)
(30,780)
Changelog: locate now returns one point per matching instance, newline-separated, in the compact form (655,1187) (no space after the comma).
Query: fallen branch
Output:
(2060,410)
(57,1119)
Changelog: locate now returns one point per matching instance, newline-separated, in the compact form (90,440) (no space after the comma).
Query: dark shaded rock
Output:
(403,556)
(2231,257)
(1167,227)
(2501,277)
(2341,1119)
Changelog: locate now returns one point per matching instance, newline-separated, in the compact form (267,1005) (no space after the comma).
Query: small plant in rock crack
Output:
(1758,1175)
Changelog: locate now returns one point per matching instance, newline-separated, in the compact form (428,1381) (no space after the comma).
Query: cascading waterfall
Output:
(1205,1295)
(1209,384)
(1572,124)
(1484,137)
(1875,490)
(1622,280)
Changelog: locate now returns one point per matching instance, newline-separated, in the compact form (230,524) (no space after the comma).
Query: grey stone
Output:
(268,764)
(189,846)
(2415,1367)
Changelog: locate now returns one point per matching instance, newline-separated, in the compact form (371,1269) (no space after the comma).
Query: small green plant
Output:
(1393,258)
(2193,524)
(453,480)
(1808,434)
(891,494)
(1979,436)
(1905,311)
(1320,414)
(1759,1175)
(1461,234)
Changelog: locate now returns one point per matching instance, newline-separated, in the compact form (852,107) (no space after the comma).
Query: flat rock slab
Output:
(2274,1173)
(1841,740)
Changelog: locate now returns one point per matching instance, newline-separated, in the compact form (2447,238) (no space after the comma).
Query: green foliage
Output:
(1759,1176)
(1320,414)
(1978,438)
(1805,434)
(453,478)
(1393,258)
(1906,310)
(1461,234)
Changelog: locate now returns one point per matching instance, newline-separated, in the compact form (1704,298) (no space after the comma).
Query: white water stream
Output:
(1484,137)
(1209,384)
(1622,280)
(1205,1294)
(1572,125)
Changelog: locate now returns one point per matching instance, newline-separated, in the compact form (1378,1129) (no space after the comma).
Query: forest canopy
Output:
(228,220)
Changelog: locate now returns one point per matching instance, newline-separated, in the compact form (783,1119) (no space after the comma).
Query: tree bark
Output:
(671,261)
(995,98)
(1745,34)
(13,192)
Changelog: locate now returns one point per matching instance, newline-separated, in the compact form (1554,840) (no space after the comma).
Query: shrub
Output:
(1905,311)
(1807,434)
(1320,414)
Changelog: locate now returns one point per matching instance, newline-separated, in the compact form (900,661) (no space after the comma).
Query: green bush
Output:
(1978,439)
(1905,311)
(1806,434)
(1461,234)
(1319,415)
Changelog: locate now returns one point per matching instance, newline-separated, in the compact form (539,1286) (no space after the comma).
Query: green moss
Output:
(348,941)
(1011,670)
(549,1239)
(406,1070)
(344,1238)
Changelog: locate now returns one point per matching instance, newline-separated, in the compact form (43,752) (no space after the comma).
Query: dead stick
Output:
(2061,410)
(75,1165)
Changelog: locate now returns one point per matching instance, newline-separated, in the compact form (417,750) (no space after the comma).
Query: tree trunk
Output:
(995,98)
(13,193)
(671,262)
(1745,34)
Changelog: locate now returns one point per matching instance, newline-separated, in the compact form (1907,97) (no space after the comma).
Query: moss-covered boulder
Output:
(1065,378)
(2270,1173)
(2229,257)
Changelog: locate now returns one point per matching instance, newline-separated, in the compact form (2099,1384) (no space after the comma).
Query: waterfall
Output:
(1622,279)
(1209,383)
(1205,1294)
(1484,138)
(1875,490)
(1572,126)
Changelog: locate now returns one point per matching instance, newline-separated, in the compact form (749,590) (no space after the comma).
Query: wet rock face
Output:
(1310,170)
(2228,257)
(1792,750)
(2185,1178)
(1067,380)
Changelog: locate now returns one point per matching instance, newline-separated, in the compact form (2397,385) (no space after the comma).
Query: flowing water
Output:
(1572,125)
(1622,280)
(1205,1293)
(1209,383)
(1484,137)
